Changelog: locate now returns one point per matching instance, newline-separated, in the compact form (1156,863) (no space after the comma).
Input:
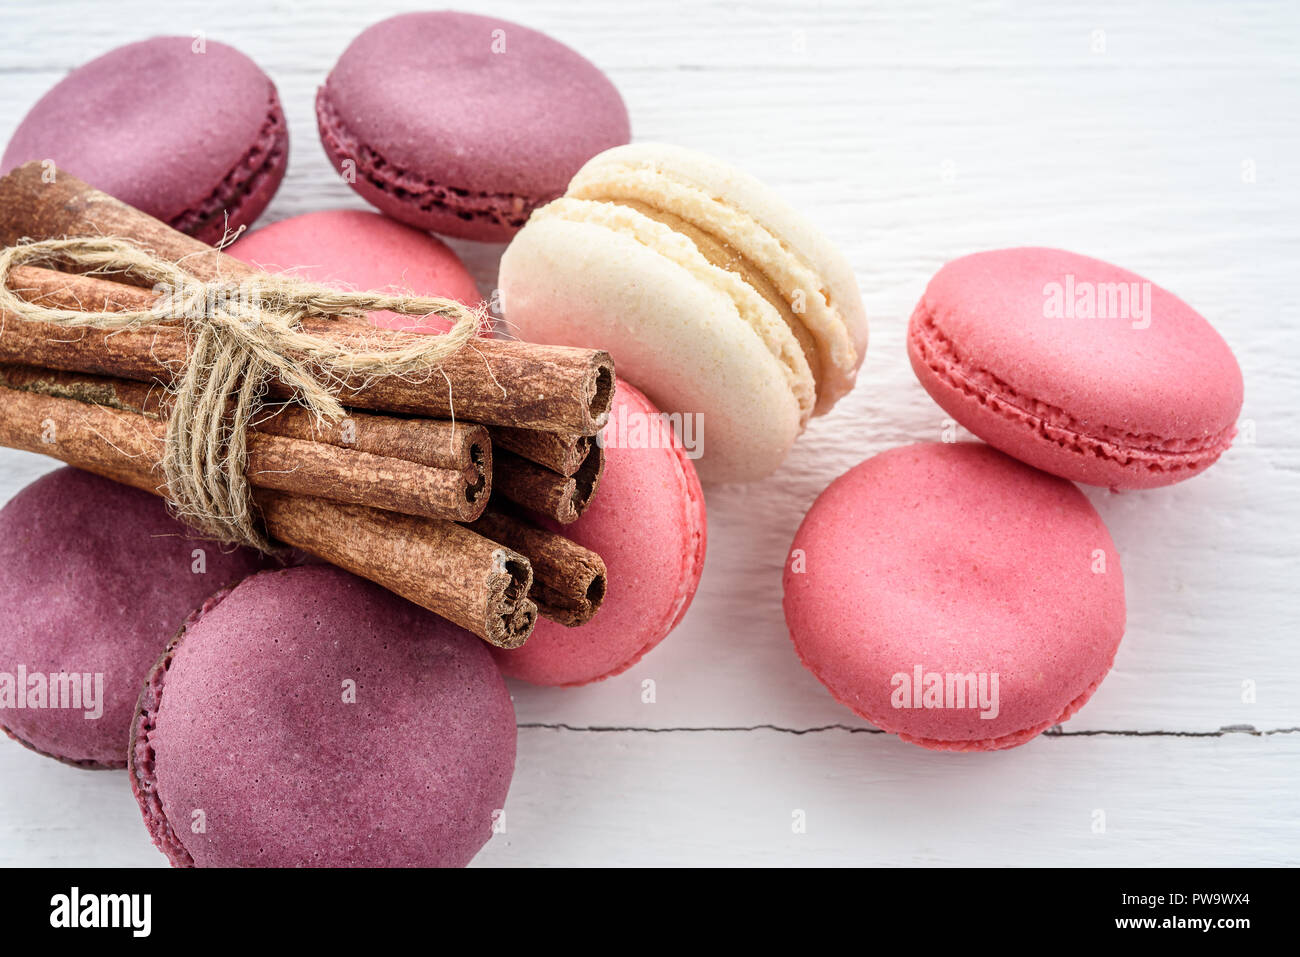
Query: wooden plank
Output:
(730,798)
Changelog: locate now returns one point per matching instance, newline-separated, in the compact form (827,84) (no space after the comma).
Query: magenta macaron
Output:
(464,124)
(954,596)
(1078,367)
(364,251)
(648,523)
(307,717)
(95,579)
(189,131)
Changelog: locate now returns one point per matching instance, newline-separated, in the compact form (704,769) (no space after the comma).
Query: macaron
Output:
(648,524)
(464,124)
(187,130)
(1078,367)
(713,296)
(308,718)
(954,596)
(95,579)
(363,251)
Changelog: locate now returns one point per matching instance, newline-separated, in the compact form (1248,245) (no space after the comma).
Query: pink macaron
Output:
(187,130)
(363,251)
(308,718)
(954,596)
(464,124)
(647,521)
(1077,367)
(95,579)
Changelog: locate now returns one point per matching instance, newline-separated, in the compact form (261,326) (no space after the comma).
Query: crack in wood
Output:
(1056,731)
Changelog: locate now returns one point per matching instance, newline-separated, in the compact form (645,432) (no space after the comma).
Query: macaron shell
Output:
(1126,402)
(317,720)
(648,524)
(197,140)
(677,338)
(957,559)
(362,250)
(419,201)
(727,202)
(95,578)
(463,124)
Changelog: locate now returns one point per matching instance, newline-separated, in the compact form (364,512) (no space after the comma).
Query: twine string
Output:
(241,336)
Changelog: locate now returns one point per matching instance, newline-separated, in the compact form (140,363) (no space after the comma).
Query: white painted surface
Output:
(913,133)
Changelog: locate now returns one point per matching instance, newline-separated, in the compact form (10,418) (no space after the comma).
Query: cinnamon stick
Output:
(490,381)
(563,452)
(441,566)
(437,443)
(568,580)
(461,449)
(274,461)
(561,497)
(494,381)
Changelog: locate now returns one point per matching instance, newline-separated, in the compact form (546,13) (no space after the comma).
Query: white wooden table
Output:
(1165,138)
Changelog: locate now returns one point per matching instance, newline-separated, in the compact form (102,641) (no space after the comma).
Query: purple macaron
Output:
(95,579)
(309,718)
(463,124)
(189,131)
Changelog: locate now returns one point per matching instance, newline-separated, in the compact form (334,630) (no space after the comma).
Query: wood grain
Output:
(912,133)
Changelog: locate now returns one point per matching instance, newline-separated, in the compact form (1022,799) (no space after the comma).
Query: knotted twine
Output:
(241,336)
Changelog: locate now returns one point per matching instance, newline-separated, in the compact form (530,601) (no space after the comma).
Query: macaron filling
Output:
(1147,452)
(678,248)
(722,254)
(797,291)
(264,161)
(507,210)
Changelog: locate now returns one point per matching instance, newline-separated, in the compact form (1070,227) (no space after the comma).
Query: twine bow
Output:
(242,335)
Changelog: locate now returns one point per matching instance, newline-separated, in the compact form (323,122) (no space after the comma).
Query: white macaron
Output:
(714,297)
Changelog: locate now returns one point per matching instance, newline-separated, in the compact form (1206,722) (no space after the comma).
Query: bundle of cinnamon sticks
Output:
(446,491)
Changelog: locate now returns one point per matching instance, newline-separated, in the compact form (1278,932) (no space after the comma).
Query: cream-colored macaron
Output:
(713,296)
